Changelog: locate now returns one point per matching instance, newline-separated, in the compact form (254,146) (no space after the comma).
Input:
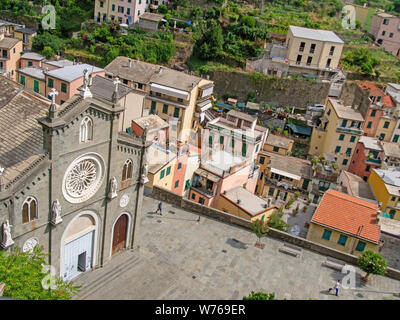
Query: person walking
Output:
(336,287)
(159,208)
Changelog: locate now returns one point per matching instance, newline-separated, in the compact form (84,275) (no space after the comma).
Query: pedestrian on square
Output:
(336,287)
(159,208)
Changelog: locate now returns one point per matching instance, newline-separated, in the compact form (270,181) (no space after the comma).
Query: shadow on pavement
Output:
(236,243)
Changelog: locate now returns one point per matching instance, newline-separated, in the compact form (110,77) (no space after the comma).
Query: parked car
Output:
(316,107)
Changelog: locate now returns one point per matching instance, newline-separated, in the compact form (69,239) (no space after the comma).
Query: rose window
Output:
(83,178)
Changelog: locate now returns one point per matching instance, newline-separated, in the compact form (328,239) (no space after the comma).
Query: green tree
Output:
(260,229)
(22,273)
(372,263)
(48,52)
(275,221)
(260,296)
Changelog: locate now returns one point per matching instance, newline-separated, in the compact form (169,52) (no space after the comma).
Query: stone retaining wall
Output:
(172,198)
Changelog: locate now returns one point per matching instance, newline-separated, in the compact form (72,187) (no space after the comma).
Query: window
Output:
(386,124)
(393,199)
(341,137)
(348,151)
(369,125)
(344,123)
(101,4)
(210,141)
(63,87)
(271,191)
(29,210)
(5,53)
(385,21)
(201,200)
(22,80)
(221,139)
(367,168)
(276,149)
(176,112)
(113,7)
(327,234)
(329,112)
(193,196)
(127,170)
(30,63)
(373,113)
(383,32)
(35,85)
(312,48)
(332,51)
(337,149)
(179,165)
(187,184)
(153,107)
(257,147)
(165,109)
(345,161)
(262,160)
(392,213)
(298,61)
(391,35)
(140,86)
(342,240)
(382,136)
(176,184)
(168,171)
(396,138)
(162,174)
(128,11)
(50,83)
(360,246)
(86,130)
(302,45)
(62,101)
(180,100)
(244,149)
(352,138)
(233,143)
(309,60)
(328,63)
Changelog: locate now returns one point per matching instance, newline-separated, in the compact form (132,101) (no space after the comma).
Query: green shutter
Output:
(327,234)
(153,107)
(168,170)
(36,86)
(262,160)
(342,240)
(22,80)
(210,141)
(244,149)
(341,137)
(352,138)
(176,113)
(360,246)
(221,139)
(63,87)
(162,174)
(50,83)
(165,109)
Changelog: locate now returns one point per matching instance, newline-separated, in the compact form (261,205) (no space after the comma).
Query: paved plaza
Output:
(181,258)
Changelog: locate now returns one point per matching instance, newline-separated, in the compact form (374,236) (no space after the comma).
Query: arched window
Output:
(86,130)
(29,210)
(127,170)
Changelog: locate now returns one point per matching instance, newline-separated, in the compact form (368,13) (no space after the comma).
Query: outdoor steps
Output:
(96,279)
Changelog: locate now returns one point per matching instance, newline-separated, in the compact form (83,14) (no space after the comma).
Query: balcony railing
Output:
(373,161)
(204,191)
(349,130)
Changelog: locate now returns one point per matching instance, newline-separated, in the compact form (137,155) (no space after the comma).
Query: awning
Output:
(169,91)
(285,174)
(223,105)
(205,105)
(300,130)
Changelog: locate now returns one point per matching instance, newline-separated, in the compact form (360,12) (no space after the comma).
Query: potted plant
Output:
(304,208)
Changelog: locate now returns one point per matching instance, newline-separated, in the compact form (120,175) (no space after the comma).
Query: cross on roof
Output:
(116,83)
(53,95)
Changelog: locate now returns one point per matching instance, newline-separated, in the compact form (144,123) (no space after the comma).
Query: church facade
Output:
(69,180)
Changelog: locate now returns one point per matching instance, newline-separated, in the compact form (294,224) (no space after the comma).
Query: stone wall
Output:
(172,198)
(283,91)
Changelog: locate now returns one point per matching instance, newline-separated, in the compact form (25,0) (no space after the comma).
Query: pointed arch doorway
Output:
(120,234)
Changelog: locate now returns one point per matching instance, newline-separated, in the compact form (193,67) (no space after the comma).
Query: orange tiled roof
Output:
(387,101)
(348,214)
(372,88)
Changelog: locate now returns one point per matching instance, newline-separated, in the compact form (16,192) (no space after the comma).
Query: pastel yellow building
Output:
(178,98)
(105,10)
(386,187)
(345,223)
(280,176)
(278,144)
(26,35)
(338,133)
(32,78)
(243,204)
(386,127)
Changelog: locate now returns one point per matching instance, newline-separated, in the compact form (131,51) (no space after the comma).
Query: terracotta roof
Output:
(374,90)
(349,215)
(9,43)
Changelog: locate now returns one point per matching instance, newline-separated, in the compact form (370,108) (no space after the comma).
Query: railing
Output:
(373,161)
(204,191)
(349,130)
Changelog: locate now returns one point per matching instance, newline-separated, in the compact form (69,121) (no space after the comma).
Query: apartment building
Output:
(385,29)
(345,223)
(10,54)
(121,11)
(178,98)
(393,90)
(32,78)
(355,186)
(386,187)
(31,59)
(278,144)
(313,51)
(367,156)
(67,80)
(337,133)
(237,134)
(26,35)
(280,176)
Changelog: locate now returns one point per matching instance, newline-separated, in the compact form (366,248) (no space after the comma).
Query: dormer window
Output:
(86,130)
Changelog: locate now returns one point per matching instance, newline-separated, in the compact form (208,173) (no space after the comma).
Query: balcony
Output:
(349,130)
(373,161)
(203,191)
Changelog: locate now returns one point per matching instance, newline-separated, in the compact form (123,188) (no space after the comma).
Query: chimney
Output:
(130,63)
(160,70)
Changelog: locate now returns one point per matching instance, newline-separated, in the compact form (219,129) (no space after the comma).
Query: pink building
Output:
(386,32)
(216,176)
(367,156)
(31,59)
(67,80)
